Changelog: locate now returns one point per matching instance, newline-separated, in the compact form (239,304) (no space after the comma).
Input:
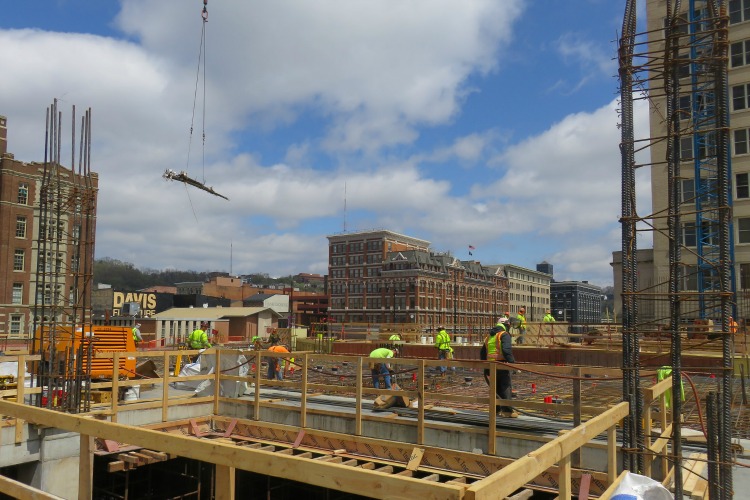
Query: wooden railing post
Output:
(217,381)
(358,414)
(576,458)
(86,467)
(165,388)
(612,454)
(20,394)
(116,384)
(420,402)
(303,395)
(492,412)
(564,474)
(256,410)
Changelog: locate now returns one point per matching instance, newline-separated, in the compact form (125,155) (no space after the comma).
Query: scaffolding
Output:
(64,252)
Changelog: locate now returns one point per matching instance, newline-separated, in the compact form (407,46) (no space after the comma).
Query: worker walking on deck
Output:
(521,326)
(137,339)
(382,368)
(443,344)
(548,318)
(499,347)
(198,340)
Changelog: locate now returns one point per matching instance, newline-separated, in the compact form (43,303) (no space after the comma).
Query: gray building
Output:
(576,301)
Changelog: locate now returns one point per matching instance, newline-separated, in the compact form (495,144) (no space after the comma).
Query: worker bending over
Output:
(383,368)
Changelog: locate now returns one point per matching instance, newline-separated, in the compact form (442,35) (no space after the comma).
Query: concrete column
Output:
(58,468)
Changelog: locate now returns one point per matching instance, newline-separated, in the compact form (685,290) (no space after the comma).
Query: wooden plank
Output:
(408,473)
(303,393)
(143,458)
(420,402)
(298,439)
(156,455)
(585,486)
(116,466)
(126,457)
(116,385)
(386,469)
(415,459)
(165,388)
(431,477)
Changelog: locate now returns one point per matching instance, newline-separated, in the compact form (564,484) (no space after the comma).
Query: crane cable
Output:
(201,60)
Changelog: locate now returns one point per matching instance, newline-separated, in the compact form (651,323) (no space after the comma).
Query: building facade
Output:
(576,302)
(528,289)
(694,150)
(384,277)
(62,265)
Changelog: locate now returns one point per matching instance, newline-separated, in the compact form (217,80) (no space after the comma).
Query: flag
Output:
(471,247)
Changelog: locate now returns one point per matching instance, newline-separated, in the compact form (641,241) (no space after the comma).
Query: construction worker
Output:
(521,326)
(502,352)
(257,344)
(137,339)
(198,340)
(382,367)
(503,319)
(548,318)
(395,336)
(276,365)
(733,326)
(443,344)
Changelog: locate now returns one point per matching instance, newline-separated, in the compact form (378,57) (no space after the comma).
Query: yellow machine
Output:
(101,339)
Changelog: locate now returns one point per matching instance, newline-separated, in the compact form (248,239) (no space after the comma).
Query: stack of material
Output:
(694,483)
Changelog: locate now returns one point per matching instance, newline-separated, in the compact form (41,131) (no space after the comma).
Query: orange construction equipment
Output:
(101,338)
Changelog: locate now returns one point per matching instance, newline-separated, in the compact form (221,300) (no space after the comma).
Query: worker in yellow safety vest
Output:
(137,339)
(198,339)
(502,351)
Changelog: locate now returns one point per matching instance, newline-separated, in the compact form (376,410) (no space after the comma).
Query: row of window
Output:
(372,246)
(741,187)
(46,264)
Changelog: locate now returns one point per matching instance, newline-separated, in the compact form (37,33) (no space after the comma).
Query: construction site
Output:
(660,395)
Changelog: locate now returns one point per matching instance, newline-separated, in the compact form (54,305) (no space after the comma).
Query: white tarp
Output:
(231,364)
(637,487)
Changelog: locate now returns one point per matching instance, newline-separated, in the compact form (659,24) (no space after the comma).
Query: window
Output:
(744,276)
(23,193)
(743,230)
(740,96)
(740,54)
(688,190)
(15,324)
(685,108)
(20,226)
(741,186)
(17,297)
(739,11)
(686,148)
(689,236)
(683,69)
(18,258)
(740,141)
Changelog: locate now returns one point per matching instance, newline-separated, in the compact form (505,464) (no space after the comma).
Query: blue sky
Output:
(490,123)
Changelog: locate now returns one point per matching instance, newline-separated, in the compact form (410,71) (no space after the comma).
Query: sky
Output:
(484,123)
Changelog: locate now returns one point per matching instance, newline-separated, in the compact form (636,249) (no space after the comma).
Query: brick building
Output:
(20,265)
(385,277)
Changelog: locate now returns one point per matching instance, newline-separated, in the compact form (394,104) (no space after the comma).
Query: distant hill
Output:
(125,276)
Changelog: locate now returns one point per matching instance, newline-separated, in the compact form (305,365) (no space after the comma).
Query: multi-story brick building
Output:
(20,265)
(528,289)
(384,277)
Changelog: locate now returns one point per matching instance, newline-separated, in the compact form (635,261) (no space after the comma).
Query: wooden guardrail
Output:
(559,451)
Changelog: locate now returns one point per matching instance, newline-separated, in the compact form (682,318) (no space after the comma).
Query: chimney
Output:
(3,136)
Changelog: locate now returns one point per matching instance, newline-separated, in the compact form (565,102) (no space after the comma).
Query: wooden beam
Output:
(335,476)
(86,468)
(20,388)
(525,469)
(16,489)
(225,481)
